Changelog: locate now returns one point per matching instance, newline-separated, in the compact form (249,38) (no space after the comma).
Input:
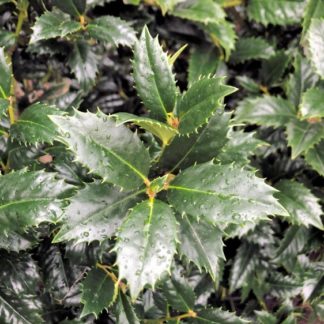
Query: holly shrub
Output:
(161,162)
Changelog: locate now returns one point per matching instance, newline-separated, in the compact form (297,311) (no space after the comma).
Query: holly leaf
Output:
(216,316)
(111,29)
(114,153)
(146,244)
(53,24)
(4,104)
(30,198)
(124,310)
(34,125)
(312,104)
(89,211)
(251,48)
(277,12)
(178,293)
(19,297)
(200,102)
(266,110)
(6,75)
(204,11)
(163,131)
(72,7)
(84,64)
(17,242)
(97,292)
(153,77)
(315,43)
(167,5)
(201,243)
(223,194)
(303,135)
(314,9)
(315,157)
(302,205)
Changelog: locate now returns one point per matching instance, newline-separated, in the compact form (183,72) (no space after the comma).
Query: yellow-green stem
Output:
(232,3)
(22,6)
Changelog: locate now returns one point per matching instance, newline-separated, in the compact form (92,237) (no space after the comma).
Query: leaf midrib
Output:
(23,201)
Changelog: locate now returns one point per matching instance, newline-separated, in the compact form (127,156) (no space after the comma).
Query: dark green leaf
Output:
(97,292)
(302,205)
(124,311)
(200,102)
(72,7)
(248,84)
(217,316)
(4,104)
(315,157)
(146,244)
(223,193)
(111,29)
(153,77)
(6,75)
(114,153)
(34,125)
(91,209)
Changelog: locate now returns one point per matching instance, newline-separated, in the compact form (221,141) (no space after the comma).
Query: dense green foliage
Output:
(195,198)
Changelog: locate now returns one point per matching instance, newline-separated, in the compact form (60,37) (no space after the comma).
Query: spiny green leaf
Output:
(124,310)
(203,62)
(200,102)
(111,29)
(216,316)
(315,42)
(201,243)
(29,198)
(266,110)
(198,147)
(300,80)
(223,193)
(6,75)
(312,104)
(153,77)
(91,209)
(303,135)
(178,293)
(19,297)
(146,244)
(251,48)
(302,205)
(204,11)
(163,131)
(110,151)
(276,12)
(315,157)
(53,24)
(34,125)
(83,63)
(314,9)
(97,292)
(72,7)
(223,34)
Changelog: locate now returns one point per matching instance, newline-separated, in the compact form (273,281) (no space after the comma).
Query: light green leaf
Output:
(204,11)
(201,243)
(251,48)
(124,310)
(111,29)
(200,102)
(7,39)
(97,292)
(314,9)
(4,104)
(315,157)
(303,135)
(30,198)
(312,104)
(163,131)
(167,5)
(153,77)
(265,318)
(178,293)
(266,110)
(198,147)
(53,24)
(84,64)
(223,194)
(146,244)
(6,75)
(34,125)
(91,209)
(315,42)
(276,12)
(302,205)
(110,151)
(203,62)
(216,316)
